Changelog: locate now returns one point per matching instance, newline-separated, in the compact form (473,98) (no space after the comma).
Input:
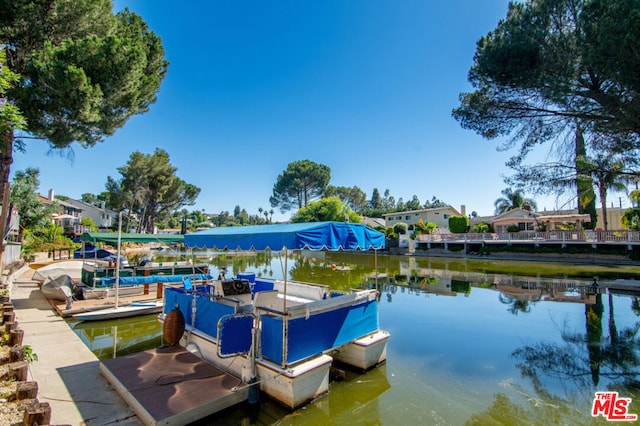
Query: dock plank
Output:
(172,386)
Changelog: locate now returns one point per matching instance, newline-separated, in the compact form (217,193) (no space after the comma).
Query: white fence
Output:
(11,253)
(530,236)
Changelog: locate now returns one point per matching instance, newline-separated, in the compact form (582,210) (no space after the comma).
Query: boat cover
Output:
(313,236)
(151,279)
(112,237)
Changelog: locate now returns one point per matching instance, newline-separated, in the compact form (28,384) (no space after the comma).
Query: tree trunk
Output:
(584,188)
(6,159)
(603,200)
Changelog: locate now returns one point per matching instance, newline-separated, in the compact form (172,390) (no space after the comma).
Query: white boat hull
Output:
(120,312)
(293,386)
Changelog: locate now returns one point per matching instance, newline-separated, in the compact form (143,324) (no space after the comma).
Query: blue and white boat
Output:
(281,335)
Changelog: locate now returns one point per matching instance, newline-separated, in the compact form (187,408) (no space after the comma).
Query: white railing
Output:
(531,236)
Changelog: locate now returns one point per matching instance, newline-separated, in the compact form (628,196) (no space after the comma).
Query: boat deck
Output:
(172,386)
(89,305)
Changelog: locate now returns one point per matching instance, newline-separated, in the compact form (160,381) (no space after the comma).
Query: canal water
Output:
(473,342)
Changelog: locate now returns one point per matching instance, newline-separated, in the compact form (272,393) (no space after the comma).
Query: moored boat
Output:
(122,311)
(281,335)
(60,287)
(72,268)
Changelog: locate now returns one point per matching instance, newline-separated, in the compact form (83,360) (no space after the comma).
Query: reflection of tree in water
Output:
(515,305)
(542,409)
(241,263)
(308,269)
(615,358)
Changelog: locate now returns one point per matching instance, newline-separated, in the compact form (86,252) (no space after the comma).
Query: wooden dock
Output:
(172,386)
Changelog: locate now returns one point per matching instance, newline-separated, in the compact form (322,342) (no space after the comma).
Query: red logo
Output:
(612,407)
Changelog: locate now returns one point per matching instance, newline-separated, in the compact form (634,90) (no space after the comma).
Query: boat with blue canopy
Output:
(279,335)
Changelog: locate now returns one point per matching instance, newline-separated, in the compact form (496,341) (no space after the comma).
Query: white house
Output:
(439,216)
(104,218)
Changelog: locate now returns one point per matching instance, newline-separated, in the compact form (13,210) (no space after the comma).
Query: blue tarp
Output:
(92,252)
(314,236)
(150,279)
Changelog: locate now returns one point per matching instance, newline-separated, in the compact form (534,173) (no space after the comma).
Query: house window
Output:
(446,216)
(407,217)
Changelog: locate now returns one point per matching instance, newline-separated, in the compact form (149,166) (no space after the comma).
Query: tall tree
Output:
(413,204)
(150,188)
(84,70)
(584,182)
(376,200)
(553,67)
(10,118)
(301,182)
(354,197)
(10,115)
(606,176)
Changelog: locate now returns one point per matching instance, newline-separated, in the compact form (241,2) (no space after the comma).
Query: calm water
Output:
(472,341)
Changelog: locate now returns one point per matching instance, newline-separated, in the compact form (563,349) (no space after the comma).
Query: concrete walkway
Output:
(67,372)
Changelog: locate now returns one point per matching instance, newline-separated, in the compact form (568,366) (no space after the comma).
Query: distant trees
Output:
(353,197)
(301,182)
(150,188)
(379,205)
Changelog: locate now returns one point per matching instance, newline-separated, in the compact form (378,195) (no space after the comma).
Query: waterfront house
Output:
(439,216)
(527,220)
(104,218)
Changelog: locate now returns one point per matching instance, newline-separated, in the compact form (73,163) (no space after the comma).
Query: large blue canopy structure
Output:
(313,236)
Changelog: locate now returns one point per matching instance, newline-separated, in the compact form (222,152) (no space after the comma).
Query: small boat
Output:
(72,268)
(59,288)
(89,251)
(122,311)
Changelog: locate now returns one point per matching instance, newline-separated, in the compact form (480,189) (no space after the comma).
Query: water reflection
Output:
(108,339)
(475,342)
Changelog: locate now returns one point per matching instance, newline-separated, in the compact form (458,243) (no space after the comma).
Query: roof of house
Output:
(433,209)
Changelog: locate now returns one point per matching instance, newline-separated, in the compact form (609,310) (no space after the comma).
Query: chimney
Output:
(463,210)
(102,204)
(51,195)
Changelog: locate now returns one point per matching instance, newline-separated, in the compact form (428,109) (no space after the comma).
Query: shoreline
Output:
(590,259)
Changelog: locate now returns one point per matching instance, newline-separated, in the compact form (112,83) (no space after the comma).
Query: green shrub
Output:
(481,228)
(458,224)
(400,228)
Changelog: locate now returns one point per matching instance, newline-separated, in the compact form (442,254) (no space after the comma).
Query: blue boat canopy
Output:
(313,236)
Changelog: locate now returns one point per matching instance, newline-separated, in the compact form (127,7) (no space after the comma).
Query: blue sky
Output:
(365,87)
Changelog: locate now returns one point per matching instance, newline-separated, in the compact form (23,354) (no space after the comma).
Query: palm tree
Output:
(513,200)
(606,172)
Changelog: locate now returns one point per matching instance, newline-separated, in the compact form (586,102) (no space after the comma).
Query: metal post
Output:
(285,319)
(118,258)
